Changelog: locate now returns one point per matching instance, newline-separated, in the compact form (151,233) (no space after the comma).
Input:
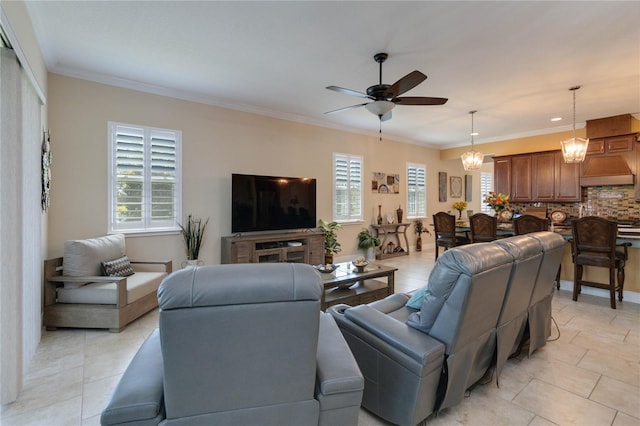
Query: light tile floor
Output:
(590,375)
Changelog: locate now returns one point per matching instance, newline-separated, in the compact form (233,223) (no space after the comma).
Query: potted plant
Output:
(193,234)
(331,244)
(368,242)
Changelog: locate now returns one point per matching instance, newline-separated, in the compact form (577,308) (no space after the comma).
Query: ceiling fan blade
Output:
(349,92)
(346,108)
(406,83)
(419,100)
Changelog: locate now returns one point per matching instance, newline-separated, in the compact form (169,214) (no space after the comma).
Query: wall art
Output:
(383,183)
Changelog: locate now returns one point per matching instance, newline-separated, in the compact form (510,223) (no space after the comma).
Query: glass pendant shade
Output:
(380,107)
(472,160)
(574,149)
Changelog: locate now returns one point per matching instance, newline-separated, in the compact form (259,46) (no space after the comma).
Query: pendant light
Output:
(472,160)
(574,149)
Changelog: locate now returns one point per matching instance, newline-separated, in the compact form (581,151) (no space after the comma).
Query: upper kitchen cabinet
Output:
(502,174)
(543,177)
(521,178)
(553,179)
(611,145)
(512,175)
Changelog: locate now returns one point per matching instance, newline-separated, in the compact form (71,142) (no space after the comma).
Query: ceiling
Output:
(513,62)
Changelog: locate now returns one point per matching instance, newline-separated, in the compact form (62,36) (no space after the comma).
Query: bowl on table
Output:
(360,265)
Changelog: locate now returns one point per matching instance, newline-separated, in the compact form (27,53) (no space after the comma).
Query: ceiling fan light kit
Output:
(472,160)
(385,97)
(574,149)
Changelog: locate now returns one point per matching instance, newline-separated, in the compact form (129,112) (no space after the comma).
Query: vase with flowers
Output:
(419,227)
(460,205)
(497,201)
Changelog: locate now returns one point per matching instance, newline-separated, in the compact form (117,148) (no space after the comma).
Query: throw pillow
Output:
(120,267)
(416,299)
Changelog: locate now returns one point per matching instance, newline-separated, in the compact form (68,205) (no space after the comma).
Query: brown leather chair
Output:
(527,224)
(445,226)
(484,228)
(594,244)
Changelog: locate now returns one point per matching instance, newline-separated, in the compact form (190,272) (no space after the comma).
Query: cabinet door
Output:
(502,175)
(567,181)
(316,250)
(521,178)
(596,146)
(242,252)
(543,176)
(620,143)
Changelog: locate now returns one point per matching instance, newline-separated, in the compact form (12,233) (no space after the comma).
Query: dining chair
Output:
(594,244)
(527,224)
(444,225)
(484,228)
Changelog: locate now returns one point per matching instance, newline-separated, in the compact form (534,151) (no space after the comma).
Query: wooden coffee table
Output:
(346,285)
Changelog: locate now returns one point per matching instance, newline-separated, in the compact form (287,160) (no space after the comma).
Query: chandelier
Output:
(472,160)
(574,149)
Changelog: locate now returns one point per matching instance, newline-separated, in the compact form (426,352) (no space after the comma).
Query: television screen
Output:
(269,203)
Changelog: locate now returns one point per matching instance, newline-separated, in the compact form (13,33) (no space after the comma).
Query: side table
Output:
(393,239)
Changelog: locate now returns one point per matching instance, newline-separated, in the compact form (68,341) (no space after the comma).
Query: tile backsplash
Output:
(608,201)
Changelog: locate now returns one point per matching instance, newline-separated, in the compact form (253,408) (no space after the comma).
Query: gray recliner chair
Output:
(240,345)
(417,362)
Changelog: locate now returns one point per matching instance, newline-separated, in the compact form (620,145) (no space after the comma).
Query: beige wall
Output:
(216,143)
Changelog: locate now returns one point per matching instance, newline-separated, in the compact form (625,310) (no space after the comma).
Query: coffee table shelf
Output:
(345,285)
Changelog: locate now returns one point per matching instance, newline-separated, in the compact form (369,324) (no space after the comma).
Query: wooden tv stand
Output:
(300,247)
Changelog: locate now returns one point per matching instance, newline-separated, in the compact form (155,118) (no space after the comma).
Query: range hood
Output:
(606,170)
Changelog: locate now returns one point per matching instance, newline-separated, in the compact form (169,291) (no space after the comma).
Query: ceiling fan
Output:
(385,97)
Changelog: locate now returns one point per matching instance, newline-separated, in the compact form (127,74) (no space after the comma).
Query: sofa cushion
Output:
(138,285)
(85,257)
(416,299)
(120,267)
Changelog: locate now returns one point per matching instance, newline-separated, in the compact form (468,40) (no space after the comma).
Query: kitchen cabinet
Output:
(553,179)
(638,171)
(520,178)
(502,174)
(611,145)
(538,177)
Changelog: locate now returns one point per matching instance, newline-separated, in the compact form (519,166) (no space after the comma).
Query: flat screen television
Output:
(270,203)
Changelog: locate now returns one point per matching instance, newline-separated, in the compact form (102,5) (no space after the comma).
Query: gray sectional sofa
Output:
(420,353)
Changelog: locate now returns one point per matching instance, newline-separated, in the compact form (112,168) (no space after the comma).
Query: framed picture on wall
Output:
(455,184)
(442,186)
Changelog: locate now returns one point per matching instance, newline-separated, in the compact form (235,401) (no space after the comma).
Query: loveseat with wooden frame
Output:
(77,293)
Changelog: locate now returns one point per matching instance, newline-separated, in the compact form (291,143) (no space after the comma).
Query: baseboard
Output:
(629,296)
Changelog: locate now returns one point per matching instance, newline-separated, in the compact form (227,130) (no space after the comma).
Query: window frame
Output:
(349,217)
(411,213)
(484,176)
(146,225)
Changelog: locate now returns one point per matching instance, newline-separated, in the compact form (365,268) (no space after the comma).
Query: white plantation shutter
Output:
(347,190)
(145,190)
(416,190)
(486,185)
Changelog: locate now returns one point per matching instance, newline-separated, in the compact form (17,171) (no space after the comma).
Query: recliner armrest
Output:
(337,369)
(139,396)
(414,343)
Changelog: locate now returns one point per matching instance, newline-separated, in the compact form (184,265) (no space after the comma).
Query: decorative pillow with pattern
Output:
(120,267)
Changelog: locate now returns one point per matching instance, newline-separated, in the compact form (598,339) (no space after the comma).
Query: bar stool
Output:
(594,244)
(444,225)
(527,224)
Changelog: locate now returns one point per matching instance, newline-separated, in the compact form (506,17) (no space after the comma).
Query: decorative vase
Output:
(328,258)
(192,263)
(419,243)
(399,213)
(379,214)
(369,255)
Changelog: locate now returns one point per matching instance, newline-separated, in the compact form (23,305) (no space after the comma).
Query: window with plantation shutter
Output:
(145,192)
(416,191)
(486,185)
(347,188)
